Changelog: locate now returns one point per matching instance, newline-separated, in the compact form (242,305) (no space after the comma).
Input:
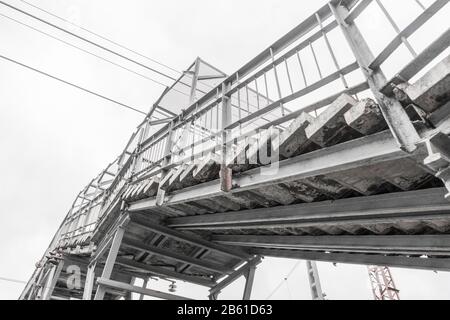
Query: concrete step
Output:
(432,91)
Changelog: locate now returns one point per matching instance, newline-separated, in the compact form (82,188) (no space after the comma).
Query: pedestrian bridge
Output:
(324,147)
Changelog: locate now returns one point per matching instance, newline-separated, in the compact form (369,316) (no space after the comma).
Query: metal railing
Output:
(290,77)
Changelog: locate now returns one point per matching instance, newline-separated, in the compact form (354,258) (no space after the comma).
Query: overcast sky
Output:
(54,138)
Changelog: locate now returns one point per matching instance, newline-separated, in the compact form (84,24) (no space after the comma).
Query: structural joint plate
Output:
(438,158)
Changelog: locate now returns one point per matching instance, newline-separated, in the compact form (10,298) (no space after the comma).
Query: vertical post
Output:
(314,281)
(249,279)
(193,96)
(214,296)
(239,104)
(267,89)
(301,68)
(225,172)
(110,261)
(89,283)
(257,95)
(167,159)
(330,49)
(277,81)
(137,164)
(144,285)
(51,280)
(396,117)
(315,60)
(421,5)
(248,99)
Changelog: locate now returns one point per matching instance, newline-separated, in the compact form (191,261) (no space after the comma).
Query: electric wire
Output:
(288,288)
(101,36)
(72,84)
(87,40)
(21,282)
(283,281)
(114,43)
(12,280)
(88,52)
(95,44)
(110,41)
(99,46)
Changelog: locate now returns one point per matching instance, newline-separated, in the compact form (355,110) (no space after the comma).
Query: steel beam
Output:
(249,279)
(166,273)
(103,247)
(193,240)
(234,276)
(418,205)
(110,261)
(144,286)
(143,291)
(52,280)
(89,282)
(177,257)
(417,244)
(435,264)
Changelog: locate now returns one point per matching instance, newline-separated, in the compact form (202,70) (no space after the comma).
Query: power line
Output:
(100,36)
(20,282)
(88,52)
(110,41)
(87,40)
(72,85)
(81,49)
(288,289)
(12,280)
(283,281)
(101,47)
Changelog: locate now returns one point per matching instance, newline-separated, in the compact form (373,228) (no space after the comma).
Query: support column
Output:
(144,285)
(110,261)
(394,113)
(249,279)
(247,270)
(51,280)
(89,283)
(193,94)
(225,172)
(314,281)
